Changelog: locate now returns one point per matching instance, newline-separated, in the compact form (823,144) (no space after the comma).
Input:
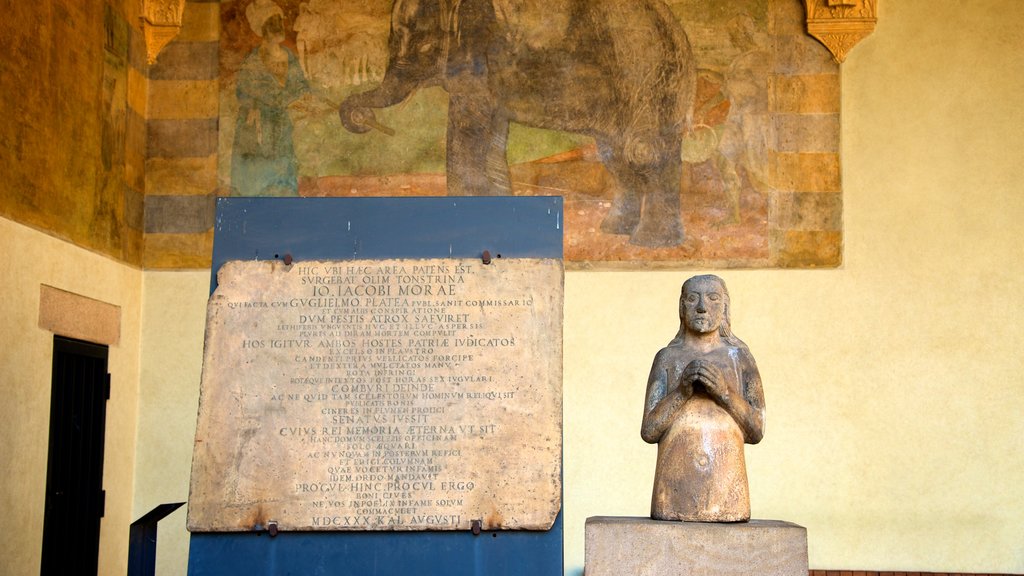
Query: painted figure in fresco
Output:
(621,72)
(341,44)
(269,82)
(744,144)
(704,401)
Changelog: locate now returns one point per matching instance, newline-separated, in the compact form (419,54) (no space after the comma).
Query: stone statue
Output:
(704,401)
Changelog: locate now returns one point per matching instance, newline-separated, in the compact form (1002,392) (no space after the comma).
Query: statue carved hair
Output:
(725,329)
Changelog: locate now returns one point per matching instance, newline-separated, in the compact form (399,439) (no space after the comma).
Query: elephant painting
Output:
(620,72)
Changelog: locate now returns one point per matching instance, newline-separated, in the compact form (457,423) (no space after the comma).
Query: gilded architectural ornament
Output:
(840,24)
(161,22)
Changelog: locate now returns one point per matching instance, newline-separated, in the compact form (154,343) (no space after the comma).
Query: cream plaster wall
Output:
(173,322)
(26,354)
(895,384)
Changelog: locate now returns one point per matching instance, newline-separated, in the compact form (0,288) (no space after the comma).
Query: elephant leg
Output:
(656,81)
(661,223)
(655,161)
(497,157)
(625,212)
(477,136)
(648,169)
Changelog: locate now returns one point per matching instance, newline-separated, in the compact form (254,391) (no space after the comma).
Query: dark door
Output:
(74,473)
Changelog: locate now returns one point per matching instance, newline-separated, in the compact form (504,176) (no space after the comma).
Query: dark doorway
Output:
(74,473)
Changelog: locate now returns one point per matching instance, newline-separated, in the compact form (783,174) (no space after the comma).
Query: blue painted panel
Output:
(503,553)
(378,228)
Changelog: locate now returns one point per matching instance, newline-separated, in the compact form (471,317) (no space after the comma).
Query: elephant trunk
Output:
(356,111)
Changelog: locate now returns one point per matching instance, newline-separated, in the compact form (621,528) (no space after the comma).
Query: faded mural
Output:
(653,120)
(67,129)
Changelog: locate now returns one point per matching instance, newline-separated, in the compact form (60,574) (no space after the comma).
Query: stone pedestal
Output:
(626,546)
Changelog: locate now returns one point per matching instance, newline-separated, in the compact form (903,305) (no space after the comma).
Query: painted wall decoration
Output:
(68,126)
(679,133)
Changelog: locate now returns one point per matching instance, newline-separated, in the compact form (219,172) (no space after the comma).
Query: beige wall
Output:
(31,258)
(894,385)
(173,322)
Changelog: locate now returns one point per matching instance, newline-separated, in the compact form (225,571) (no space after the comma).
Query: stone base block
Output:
(624,546)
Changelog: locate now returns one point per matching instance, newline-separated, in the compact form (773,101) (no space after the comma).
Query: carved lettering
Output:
(373,395)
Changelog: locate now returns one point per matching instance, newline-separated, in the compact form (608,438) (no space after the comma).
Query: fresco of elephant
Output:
(620,72)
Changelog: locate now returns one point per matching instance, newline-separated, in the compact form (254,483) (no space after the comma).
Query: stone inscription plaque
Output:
(381,395)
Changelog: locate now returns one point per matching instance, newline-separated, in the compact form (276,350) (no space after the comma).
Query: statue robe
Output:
(701,472)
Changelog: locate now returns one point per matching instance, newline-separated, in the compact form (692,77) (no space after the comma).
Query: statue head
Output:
(704,307)
(703,304)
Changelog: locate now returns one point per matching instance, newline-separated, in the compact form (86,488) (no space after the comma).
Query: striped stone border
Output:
(181,143)
(805,206)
